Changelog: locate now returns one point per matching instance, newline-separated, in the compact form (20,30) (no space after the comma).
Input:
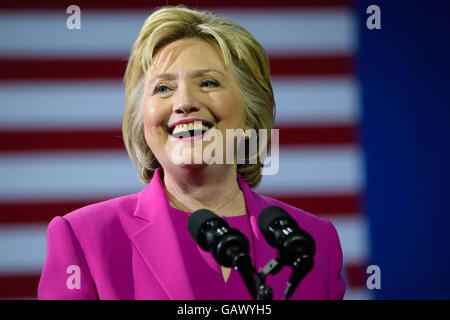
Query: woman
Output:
(188,72)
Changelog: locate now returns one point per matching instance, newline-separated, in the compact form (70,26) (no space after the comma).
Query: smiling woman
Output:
(190,74)
(234,61)
(198,88)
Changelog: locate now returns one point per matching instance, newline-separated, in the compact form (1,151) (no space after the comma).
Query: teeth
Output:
(189,126)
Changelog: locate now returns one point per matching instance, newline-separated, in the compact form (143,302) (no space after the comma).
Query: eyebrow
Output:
(193,74)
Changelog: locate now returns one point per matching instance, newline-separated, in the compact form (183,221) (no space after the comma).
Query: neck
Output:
(190,189)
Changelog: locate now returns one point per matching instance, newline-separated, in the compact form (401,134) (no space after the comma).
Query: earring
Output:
(247,134)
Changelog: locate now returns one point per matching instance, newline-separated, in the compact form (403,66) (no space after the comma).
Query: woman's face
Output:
(188,83)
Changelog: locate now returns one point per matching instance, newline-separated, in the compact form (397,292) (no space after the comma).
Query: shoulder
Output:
(328,247)
(320,228)
(105,210)
(304,218)
(91,221)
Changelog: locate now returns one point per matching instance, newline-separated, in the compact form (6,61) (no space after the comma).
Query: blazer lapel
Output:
(157,242)
(255,204)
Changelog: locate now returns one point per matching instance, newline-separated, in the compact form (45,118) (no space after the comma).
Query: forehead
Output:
(188,54)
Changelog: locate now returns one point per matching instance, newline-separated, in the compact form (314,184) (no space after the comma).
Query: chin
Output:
(187,159)
(187,153)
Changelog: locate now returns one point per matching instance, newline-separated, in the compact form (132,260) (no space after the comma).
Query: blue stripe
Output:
(404,70)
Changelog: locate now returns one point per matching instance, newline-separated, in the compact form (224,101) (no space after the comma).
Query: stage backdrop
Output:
(404,69)
(62,98)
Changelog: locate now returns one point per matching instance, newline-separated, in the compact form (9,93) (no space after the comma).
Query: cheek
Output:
(230,107)
(153,114)
(238,114)
(148,115)
(153,118)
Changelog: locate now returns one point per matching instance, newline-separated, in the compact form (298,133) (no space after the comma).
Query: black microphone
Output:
(296,246)
(229,246)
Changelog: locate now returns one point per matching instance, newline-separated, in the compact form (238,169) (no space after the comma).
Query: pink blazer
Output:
(112,245)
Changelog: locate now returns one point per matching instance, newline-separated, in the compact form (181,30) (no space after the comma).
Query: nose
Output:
(185,101)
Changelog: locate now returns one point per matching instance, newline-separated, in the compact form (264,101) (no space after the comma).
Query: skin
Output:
(175,89)
(185,93)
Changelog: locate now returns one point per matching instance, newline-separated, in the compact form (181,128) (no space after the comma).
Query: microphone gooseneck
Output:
(295,246)
(231,248)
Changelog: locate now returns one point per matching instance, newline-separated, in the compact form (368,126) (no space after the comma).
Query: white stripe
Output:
(316,101)
(97,104)
(40,33)
(358,294)
(353,235)
(61,105)
(290,31)
(56,175)
(316,170)
(22,248)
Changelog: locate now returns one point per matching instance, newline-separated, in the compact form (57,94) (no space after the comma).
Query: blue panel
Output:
(405,77)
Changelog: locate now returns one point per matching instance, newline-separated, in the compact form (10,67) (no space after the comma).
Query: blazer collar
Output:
(158,244)
(152,199)
(255,204)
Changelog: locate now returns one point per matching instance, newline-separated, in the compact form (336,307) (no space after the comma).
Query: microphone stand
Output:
(300,268)
(255,285)
(264,292)
(243,264)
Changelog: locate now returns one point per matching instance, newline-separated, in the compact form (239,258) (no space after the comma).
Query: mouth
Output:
(189,128)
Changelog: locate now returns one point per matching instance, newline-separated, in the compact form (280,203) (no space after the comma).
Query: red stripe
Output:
(60,140)
(342,204)
(356,275)
(318,135)
(311,66)
(151,4)
(27,285)
(19,286)
(32,212)
(47,140)
(88,69)
(63,69)
(43,212)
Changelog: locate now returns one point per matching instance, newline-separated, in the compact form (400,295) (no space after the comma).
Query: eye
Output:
(210,83)
(162,88)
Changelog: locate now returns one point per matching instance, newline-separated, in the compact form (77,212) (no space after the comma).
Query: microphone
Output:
(229,246)
(295,246)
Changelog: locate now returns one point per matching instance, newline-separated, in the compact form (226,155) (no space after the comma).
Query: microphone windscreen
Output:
(197,219)
(268,215)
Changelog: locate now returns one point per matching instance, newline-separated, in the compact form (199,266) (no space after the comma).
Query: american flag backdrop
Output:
(62,99)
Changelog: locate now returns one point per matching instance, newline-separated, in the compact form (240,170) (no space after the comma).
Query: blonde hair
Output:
(248,61)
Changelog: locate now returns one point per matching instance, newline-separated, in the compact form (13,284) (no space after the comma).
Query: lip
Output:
(189,139)
(206,123)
